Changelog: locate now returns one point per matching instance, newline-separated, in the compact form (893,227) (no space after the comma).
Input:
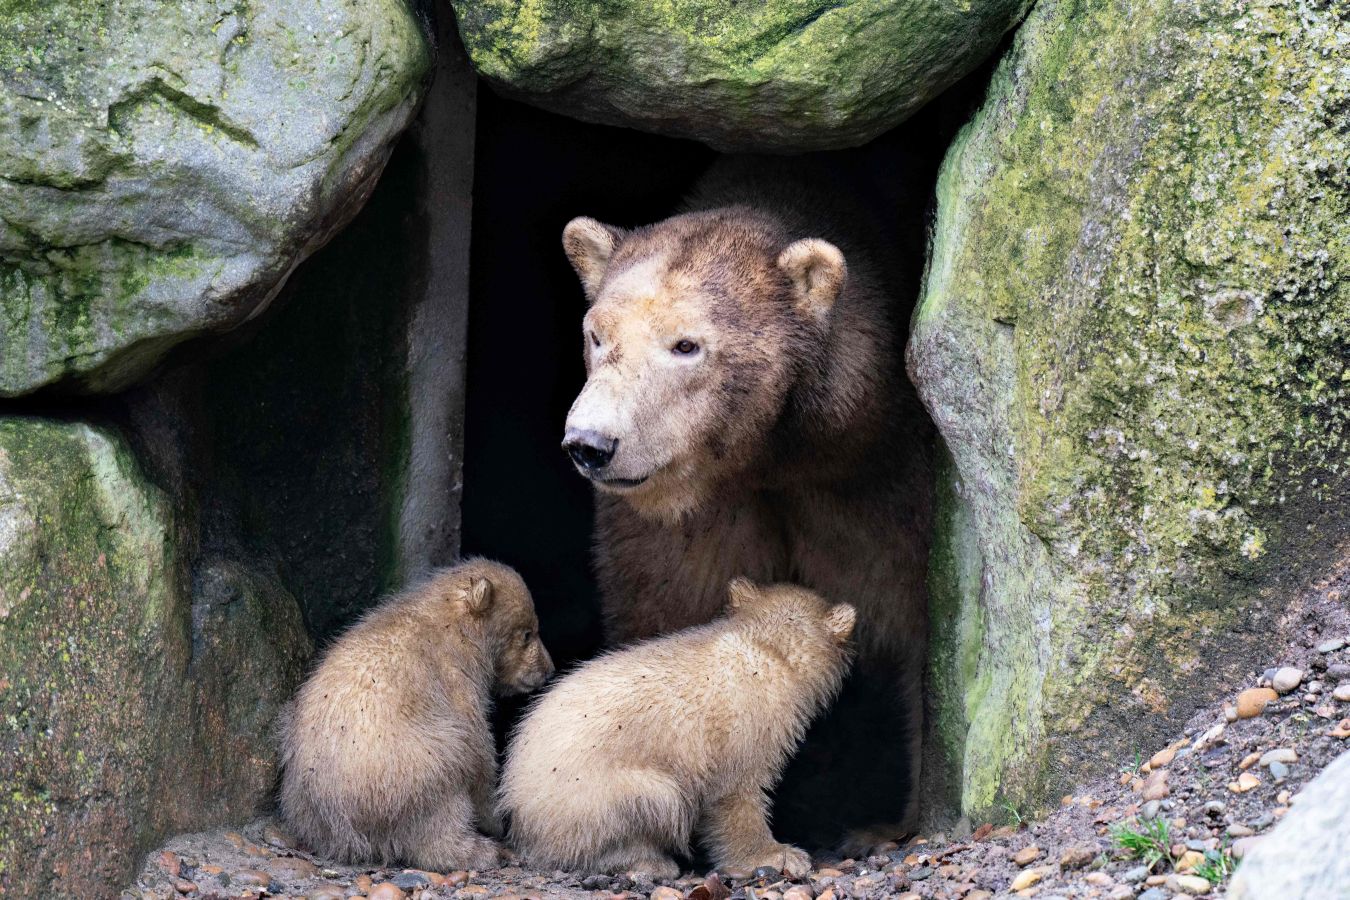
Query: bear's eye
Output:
(595,339)
(526,635)
(685,347)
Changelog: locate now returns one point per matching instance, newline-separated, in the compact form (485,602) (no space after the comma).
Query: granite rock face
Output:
(137,691)
(163,167)
(1134,337)
(783,75)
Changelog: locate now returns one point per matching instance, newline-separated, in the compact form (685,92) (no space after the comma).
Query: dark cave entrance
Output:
(522,501)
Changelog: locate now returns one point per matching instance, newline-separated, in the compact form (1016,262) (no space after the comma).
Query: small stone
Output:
(1135,875)
(920,873)
(828,872)
(1263,821)
(1330,646)
(363,883)
(1243,846)
(250,878)
(1245,782)
(183,886)
(328,891)
(1341,731)
(292,868)
(1162,757)
(1151,809)
(278,838)
(976,895)
(455,879)
(1027,855)
(1248,761)
(1189,860)
(1026,878)
(1215,808)
(1193,884)
(1286,679)
(169,862)
(1099,879)
(1280,754)
(1076,858)
(1283,798)
(1252,702)
(469,890)
(1279,771)
(1155,893)
(1155,786)
(1338,671)
(798,892)
(1342,692)
(410,879)
(1121,892)
(666,893)
(386,891)
(1230,713)
(910,896)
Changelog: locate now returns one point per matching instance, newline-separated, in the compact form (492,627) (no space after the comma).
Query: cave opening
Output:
(523,502)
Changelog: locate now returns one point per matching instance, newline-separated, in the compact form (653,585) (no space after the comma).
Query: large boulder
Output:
(164,166)
(1134,337)
(782,75)
(1307,856)
(137,691)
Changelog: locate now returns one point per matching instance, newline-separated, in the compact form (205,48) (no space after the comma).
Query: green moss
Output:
(1139,267)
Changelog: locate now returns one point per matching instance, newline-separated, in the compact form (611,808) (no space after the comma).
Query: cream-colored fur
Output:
(387,749)
(618,765)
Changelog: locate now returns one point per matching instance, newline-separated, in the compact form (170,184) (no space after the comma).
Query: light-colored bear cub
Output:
(387,749)
(615,767)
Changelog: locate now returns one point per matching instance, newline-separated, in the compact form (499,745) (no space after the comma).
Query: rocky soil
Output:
(1191,809)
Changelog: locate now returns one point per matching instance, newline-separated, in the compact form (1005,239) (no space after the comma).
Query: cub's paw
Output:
(483,854)
(790,860)
(658,867)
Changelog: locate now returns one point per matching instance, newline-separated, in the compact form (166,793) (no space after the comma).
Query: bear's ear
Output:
(741,592)
(589,245)
(839,621)
(817,272)
(478,596)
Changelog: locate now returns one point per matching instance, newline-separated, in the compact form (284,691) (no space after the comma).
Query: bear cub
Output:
(387,750)
(615,767)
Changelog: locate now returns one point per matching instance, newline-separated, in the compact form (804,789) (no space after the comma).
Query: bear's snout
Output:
(590,450)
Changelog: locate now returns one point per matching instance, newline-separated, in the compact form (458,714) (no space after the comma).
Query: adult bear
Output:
(746,413)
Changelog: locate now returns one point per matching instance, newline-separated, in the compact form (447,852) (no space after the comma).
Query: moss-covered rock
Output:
(1134,337)
(782,75)
(164,166)
(136,695)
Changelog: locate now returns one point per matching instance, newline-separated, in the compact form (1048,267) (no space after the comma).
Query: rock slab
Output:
(137,692)
(781,75)
(163,167)
(1132,339)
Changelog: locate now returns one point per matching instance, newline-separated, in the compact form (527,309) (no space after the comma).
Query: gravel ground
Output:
(1205,798)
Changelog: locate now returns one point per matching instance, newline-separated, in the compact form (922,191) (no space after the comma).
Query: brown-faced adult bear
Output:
(746,413)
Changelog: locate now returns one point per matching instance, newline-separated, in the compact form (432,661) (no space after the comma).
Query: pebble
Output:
(386,891)
(1342,730)
(1245,782)
(1076,858)
(1189,860)
(170,863)
(1191,884)
(1162,757)
(1151,809)
(1121,892)
(327,892)
(1155,786)
(1338,671)
(798,892)
(1027,855)
(292,868)
(363,883)
(1330,646)
(1215,808)
(455,879)
(910,896)
(1155,893)
(977,895)
(249,877)
(1286,679)
(1248,761)
(1026,878)
(278,838)
(1243,846)
(1135,875)
(1279,754)
(1252,702)
(1342,692)
(1099,879)
(183,886)
(666,893)
(1279,771)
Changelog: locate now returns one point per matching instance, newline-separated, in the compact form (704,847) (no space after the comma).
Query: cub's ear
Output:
(589,245)
(817,271)
(741,592)
(478,596)
(839,621)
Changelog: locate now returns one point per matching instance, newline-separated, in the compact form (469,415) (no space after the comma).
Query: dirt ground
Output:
(1190,809)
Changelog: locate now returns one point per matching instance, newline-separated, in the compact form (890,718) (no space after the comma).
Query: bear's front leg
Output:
(736,831)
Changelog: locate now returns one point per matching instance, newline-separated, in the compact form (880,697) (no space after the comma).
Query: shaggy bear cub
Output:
(387,749)
(614,768)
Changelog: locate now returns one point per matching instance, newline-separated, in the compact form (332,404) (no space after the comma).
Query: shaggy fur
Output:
(616,766)
(387,749)
(790,447)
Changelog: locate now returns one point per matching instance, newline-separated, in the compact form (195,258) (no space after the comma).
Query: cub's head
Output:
(697,328)
(801,622)
(495,597)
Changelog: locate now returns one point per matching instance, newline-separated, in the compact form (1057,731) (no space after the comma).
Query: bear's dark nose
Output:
(590,450)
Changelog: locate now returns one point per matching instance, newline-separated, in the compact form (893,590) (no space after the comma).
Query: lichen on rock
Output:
(1134,336)
(784,75)
(130,704)
(164,167)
